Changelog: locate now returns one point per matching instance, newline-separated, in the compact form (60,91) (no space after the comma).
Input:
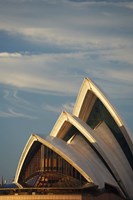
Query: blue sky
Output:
(47,47)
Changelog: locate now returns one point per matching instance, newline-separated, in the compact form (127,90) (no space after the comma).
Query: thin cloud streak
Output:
(35,72)
(11,97)
(28,72)
(80,21)
(9,55)
(75,40)
(58,109)
(13,114)
(14,106)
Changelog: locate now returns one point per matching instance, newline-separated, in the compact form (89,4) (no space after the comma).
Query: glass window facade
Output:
(53,172)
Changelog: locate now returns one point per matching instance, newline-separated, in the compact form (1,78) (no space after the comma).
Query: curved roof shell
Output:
(102,142)
(87,96)
(93,140)
(61,148)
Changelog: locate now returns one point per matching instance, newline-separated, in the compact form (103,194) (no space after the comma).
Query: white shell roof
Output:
(86,166)
(96,154)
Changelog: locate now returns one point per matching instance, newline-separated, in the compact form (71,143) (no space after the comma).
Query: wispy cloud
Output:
(58,109)
(91,38)
(12,98)
(36,72)
(129,5)
(11,113)
(16,104)
(13,105)
(68,107)
(9,55)
(76,26)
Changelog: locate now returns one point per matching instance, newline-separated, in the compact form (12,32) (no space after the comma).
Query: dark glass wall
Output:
(45,168)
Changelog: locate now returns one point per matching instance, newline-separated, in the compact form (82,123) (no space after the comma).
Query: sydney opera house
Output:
(89,150)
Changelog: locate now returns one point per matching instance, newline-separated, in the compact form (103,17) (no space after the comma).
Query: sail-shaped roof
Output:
(92,142)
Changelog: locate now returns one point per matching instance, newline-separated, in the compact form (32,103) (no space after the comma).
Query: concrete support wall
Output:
(105,196)
(42,197)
